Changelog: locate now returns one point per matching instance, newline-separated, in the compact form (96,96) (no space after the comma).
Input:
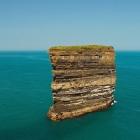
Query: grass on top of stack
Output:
(79,47)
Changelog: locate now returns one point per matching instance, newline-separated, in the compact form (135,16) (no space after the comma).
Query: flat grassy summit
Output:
(81,47)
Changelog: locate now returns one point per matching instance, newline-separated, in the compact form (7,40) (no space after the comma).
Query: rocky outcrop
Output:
(83,80)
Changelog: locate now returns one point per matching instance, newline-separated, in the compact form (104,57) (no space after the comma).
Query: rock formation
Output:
(83,80)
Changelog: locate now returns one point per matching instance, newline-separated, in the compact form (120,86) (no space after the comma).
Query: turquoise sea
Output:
(25,96)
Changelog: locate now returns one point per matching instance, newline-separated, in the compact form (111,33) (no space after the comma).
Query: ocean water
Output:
(25,96)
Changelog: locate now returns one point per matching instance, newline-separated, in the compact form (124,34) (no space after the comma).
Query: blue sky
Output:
(39,24)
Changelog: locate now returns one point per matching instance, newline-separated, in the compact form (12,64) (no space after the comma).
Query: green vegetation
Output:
(80,47)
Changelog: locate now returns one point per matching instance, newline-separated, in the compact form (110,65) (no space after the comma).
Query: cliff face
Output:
(83,80)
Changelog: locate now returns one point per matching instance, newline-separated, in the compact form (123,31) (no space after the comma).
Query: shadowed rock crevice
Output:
(83,80)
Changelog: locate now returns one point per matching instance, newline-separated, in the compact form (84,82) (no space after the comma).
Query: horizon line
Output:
(48,49)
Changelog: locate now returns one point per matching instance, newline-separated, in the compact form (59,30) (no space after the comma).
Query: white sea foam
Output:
(113,103)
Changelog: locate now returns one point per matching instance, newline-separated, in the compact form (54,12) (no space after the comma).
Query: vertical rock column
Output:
(83,80)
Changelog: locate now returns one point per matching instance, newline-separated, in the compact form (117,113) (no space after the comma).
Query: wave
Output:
(113,103)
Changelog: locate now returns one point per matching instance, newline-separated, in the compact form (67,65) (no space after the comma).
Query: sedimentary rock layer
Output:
(83,80)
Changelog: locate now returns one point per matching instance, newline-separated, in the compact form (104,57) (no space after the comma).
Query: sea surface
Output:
(25,97)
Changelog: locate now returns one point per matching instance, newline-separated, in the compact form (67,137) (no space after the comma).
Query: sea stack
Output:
(83,80)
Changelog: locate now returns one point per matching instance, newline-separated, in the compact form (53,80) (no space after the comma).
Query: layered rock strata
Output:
(83,80)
